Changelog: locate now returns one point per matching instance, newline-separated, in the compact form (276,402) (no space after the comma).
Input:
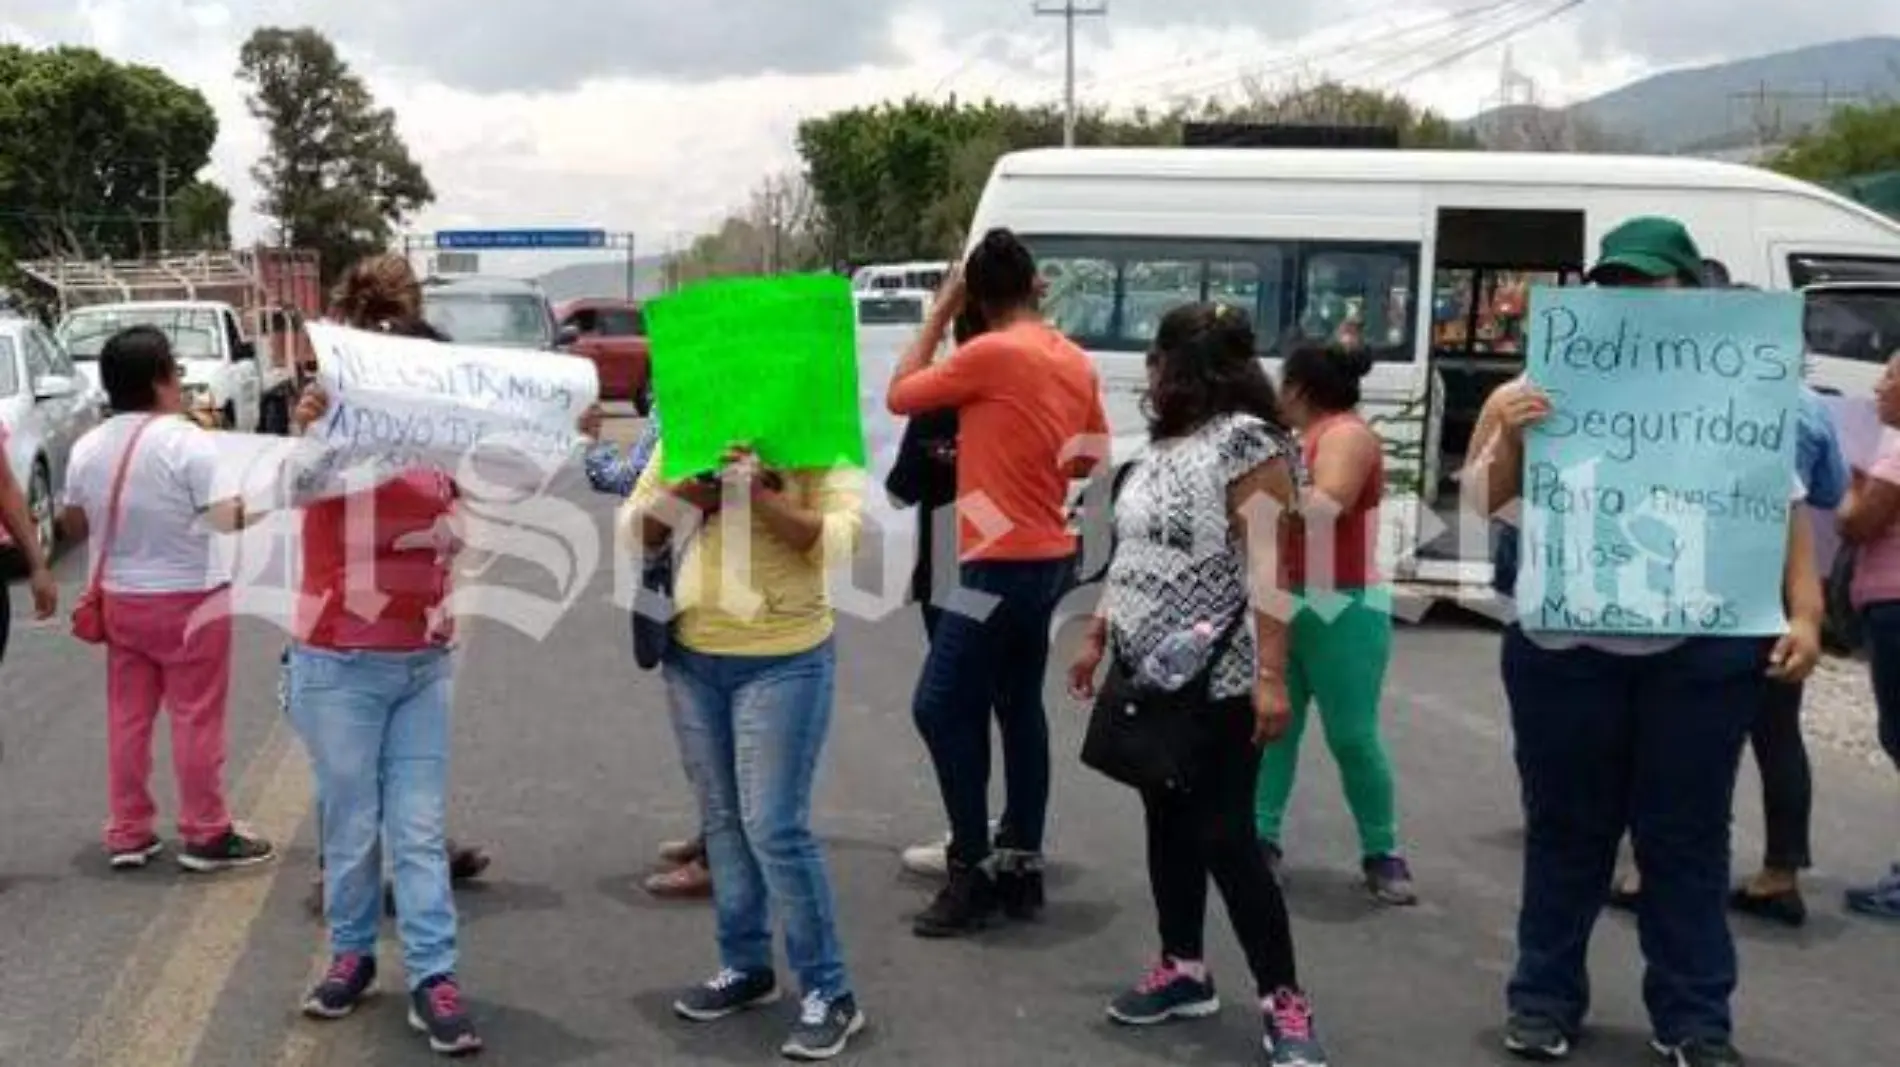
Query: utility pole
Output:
(1068,12)
(164,207)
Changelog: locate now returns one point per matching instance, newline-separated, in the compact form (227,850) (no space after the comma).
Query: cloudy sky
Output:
(655,116)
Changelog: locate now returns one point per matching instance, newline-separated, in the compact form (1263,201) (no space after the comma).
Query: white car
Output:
(45,406)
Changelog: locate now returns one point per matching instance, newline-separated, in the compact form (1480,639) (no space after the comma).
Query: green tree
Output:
(1856,141)
(901,180)
(90,147)
(200,217)
(336,176)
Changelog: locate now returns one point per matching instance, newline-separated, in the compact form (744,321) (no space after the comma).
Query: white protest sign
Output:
(397,403)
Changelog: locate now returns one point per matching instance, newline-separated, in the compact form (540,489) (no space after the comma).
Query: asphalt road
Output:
(565,769)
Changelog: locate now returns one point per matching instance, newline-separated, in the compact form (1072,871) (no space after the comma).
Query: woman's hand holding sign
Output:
(1796,653)
(311,406)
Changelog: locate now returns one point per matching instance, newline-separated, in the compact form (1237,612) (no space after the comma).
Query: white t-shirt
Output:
(163,544)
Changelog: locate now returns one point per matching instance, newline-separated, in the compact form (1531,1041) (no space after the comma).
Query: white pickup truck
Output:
(239,381)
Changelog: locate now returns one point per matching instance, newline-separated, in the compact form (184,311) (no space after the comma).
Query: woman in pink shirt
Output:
(1870,520)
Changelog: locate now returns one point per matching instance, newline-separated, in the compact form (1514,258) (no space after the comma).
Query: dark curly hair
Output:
(1203,366)
(1327,376)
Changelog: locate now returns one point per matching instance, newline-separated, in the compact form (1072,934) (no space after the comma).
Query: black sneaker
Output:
(1533,1037)
(435,1009)
(824,1028)
(727,993)
(1165,994)
(132,859)
(230,852)
(1701,1052)
(964,906)
(1788,909)
(1019,890)
(351,978)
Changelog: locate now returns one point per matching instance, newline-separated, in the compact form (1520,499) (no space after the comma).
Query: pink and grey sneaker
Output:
(435,1010)
(1291,1040)
(350,979)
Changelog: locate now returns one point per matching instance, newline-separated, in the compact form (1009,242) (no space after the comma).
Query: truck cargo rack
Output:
(237,278)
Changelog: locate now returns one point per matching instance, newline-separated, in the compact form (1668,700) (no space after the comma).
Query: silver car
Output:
(45,406)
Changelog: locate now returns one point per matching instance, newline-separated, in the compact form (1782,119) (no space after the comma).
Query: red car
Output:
(612,333)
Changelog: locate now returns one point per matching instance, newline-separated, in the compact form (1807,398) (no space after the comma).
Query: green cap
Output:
(1653,247)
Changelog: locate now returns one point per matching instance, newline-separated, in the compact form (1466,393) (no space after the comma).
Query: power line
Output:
(1513,30)
(1305,50)
(1366,54)
(1069,12)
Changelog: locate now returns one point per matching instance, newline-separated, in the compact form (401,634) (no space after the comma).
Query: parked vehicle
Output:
(235,320)
(1421,258)
(490,312)
(226,383)
(45,406)
(613,334)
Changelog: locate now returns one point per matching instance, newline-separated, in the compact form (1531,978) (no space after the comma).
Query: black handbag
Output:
(653,609)
(1150,739)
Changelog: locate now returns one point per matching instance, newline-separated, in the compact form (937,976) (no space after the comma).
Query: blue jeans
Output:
(982,663)
(1880,628)
(376,725)
(1645,744)
(751,730)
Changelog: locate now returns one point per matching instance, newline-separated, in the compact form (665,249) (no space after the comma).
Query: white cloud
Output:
(664,148)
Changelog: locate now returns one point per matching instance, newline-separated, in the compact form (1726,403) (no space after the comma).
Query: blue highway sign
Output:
(522,239)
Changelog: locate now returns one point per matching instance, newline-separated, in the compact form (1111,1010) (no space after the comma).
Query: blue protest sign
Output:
(1657,493)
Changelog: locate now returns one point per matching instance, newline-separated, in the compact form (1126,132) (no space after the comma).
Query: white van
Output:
(1422,257)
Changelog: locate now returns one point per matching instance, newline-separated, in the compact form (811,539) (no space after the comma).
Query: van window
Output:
(1356,299)
(1805,269)
(890,311)
(1861,324)
(1110,293)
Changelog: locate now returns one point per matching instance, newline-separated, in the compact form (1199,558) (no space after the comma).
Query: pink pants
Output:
(170,649)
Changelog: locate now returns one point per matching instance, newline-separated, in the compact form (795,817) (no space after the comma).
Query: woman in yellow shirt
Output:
(750,678)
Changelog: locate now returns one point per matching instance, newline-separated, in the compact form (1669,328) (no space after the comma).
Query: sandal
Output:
(690,881)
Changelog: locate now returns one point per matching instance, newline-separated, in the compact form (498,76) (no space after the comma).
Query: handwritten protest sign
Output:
(1657,493)
(769,362)
(397,403)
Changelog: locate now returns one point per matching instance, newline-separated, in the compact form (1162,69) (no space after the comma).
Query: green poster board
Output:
(769,362)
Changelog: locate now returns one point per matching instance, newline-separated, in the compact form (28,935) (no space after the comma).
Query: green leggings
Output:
(1341,665)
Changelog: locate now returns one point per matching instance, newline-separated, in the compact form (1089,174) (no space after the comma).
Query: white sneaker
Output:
(932,858)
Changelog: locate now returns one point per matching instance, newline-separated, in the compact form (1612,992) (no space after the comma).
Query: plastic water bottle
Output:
(1178,657)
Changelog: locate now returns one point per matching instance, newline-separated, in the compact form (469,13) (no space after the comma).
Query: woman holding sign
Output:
(1636,734)
(370,679)
(750,673)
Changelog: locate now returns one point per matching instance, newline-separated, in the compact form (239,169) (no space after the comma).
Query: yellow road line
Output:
(199,935)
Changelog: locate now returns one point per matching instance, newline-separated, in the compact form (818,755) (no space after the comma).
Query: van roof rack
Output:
(1286,135)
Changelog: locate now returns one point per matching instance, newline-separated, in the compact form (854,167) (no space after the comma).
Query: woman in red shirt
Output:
(369,693)
(1342,636)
